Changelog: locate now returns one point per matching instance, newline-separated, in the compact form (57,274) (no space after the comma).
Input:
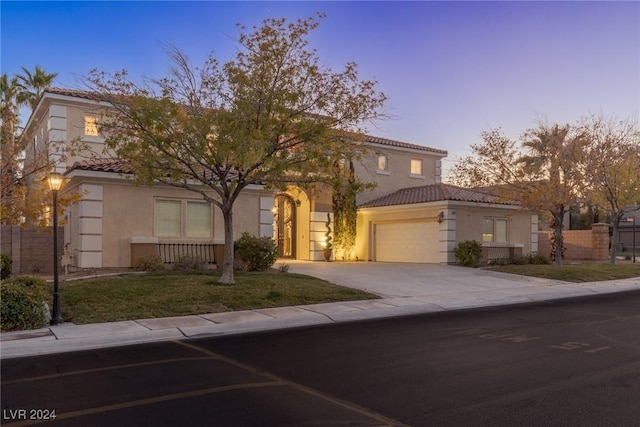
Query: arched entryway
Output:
(285,225)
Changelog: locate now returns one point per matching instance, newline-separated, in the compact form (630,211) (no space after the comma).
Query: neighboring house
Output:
(117,222)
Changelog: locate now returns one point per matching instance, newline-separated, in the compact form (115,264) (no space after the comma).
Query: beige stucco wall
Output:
(460,221)
(61,119)
(128,212)
(469,224)
(398,168)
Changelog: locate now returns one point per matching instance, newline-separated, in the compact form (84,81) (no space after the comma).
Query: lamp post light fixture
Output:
(55,181)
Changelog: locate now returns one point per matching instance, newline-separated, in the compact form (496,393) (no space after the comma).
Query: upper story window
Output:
(383,163)
(91,125)
(416,167)
(182,218)
(494,230)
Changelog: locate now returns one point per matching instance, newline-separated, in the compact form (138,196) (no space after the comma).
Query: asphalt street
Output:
(563,363)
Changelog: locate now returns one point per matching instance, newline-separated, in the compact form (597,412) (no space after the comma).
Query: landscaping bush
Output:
(257,253)
(5,266)
(152,263)
(188,263)
(538,259)
(535,259)
(469,253)
(23,303)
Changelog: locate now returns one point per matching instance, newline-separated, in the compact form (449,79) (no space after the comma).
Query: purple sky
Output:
(450,69)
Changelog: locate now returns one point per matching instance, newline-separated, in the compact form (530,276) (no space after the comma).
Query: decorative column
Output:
(90,226)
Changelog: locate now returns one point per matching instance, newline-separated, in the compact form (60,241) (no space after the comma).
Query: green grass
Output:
(587,272)
(168,294)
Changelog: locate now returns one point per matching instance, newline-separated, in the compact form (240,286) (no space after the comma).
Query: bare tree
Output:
(613,163)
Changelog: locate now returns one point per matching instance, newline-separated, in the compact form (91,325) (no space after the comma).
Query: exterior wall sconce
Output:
(440,217)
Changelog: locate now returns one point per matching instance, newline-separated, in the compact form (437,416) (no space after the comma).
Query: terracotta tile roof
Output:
(101,165)
(114,166)
(76,93)
(92,96)
(433,193)
(390,142)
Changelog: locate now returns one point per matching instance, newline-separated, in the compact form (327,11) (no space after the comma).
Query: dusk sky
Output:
(450,69)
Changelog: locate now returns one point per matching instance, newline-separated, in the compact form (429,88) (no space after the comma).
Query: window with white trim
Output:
(416,167)
(182,218)
(383,164)
(90,125)
(494,230)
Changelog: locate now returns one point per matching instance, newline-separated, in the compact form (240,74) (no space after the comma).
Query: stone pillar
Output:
(600,242)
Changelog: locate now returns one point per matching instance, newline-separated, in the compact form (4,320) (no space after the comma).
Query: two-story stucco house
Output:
(409,217)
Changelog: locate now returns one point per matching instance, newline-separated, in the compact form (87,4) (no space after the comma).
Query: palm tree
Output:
(34,84)
(16,92)
(10,98)
(554,162)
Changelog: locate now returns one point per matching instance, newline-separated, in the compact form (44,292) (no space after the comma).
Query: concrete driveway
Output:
(393,280)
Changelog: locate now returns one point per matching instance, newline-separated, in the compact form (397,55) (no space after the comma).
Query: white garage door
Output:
(407,242)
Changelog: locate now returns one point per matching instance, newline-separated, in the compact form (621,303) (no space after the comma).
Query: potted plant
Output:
(328,248)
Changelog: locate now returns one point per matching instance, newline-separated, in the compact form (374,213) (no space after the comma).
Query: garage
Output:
(414,241)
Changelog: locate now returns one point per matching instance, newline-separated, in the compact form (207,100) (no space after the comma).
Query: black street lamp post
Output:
(55,182)
(633,230)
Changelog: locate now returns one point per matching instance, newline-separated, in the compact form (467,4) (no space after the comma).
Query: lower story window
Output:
(182,218)
(494,230)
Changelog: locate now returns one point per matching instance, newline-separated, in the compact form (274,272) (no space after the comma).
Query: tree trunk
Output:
(227,266)
(614,238)
(557,232)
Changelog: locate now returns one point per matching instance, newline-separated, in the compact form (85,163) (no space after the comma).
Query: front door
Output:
(285,221)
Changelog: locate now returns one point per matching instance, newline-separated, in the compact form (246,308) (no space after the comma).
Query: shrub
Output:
(469,253)
(538,259)
(151,263)
(5,266)
(257,253)
(188,262)
(23,303)
(535,259)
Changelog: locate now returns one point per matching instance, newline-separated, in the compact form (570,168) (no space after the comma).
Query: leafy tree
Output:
(543,172)
(613,163)
(272,115)
(346,187)
(15,206)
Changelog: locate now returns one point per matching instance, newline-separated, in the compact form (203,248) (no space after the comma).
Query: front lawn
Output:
(587,272)
(167,294)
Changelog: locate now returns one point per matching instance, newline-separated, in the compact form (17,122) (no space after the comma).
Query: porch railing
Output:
(171,253)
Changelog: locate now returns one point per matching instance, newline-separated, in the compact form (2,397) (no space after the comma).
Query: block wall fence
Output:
(581,245)
(31,249)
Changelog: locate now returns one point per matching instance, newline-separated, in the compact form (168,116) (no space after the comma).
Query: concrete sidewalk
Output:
(412,293)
